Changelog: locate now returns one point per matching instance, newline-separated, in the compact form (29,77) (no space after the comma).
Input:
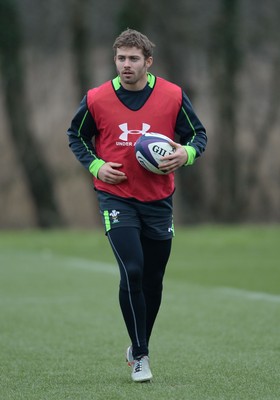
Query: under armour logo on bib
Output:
(126,131)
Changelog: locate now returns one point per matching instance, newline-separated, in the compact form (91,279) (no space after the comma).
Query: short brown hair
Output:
(132,38)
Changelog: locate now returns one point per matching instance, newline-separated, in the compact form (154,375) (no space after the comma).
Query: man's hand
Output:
(110,174)
(175,160)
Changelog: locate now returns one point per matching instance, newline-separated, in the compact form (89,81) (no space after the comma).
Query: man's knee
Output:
(131,278)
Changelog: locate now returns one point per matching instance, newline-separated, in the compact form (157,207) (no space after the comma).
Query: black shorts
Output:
(154,219)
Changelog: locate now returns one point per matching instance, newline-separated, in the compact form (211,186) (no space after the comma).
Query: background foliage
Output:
(225,54)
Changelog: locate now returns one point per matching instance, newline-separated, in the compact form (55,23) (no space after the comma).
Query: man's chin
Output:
(128,80)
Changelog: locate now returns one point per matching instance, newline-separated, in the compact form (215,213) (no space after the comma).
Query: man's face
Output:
(132,67)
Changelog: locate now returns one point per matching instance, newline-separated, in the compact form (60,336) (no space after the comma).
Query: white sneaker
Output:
(141,370)
(129,356)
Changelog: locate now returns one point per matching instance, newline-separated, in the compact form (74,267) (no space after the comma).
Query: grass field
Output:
(217,335)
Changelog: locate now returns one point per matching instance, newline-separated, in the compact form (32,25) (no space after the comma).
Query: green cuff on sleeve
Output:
(95,166)
(191,155)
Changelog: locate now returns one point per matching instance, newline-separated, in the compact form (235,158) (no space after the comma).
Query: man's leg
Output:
(156,255)
(127,247)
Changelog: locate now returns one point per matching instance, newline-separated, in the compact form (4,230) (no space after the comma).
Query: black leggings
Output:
(142,263)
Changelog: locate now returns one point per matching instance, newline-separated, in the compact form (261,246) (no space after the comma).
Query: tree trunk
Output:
(81,45)
(226,63)
(28,153)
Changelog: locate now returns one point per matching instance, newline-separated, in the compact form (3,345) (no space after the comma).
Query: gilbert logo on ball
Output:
(150,148)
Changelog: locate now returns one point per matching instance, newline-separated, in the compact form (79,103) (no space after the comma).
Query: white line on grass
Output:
(112,269)
(48,257)
(94,266)
(258,296)
(81,263)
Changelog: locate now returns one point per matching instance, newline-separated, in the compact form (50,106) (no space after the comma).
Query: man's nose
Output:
(127,62)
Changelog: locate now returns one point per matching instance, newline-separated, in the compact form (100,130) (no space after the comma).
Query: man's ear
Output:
(149,62)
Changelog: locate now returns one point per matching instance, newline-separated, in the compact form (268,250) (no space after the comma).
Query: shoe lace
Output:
(138,365)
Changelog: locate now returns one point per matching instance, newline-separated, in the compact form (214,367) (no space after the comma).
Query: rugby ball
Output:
(150,148)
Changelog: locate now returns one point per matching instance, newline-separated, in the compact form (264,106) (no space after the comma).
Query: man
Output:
(136,204)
